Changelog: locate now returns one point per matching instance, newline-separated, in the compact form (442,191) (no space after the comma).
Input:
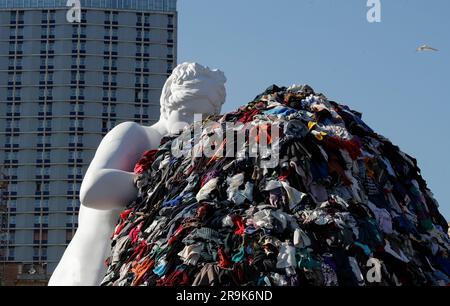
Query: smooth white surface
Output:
(108,185)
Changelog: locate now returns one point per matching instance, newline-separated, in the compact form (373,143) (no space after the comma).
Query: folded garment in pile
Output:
(343,207)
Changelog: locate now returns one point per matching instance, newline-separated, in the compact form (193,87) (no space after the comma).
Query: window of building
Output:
(69,235)
(45,107)
(11,140)
(75,154)
(76,123)
(11,253)
(41,203)
(12,171)
(13,17)
(76,107)
(12,187)
(75,139)
(12,219)
(45,124)
(36,252)
(43,171)
(43,139)
(44,155)
(115,17)
(40,236)
(12,204)
(11,155)
(72,219)
(75,171)
(141,110)
(43,47)
(19,47)
(111,124)
(74,187)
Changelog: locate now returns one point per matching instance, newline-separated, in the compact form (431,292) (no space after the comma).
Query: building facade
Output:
(63,86)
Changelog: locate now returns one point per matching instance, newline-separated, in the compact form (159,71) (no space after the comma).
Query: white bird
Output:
(425,48)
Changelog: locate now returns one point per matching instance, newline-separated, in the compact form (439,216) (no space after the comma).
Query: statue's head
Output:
(195,89)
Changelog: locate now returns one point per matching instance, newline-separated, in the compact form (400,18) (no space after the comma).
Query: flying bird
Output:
(425,48)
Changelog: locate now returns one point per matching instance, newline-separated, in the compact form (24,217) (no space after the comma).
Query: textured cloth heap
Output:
(343,207)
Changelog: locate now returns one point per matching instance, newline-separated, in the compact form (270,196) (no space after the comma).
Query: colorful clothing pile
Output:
(343,207)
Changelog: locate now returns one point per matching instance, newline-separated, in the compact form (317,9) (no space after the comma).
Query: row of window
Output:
(80,46)
(44,185)
(40,236)
(111,33)
(41,141)
(47,108)
(46,93)
(43,219)
(76,77)
(41,156)
(108,62)
(43,203)
(109,17)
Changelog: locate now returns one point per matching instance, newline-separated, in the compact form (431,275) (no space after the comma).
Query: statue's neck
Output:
(161,127)
(175,122)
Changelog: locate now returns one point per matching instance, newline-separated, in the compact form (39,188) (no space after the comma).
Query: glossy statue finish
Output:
(108,185)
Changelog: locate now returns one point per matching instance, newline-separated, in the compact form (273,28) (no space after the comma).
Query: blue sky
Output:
(328,44)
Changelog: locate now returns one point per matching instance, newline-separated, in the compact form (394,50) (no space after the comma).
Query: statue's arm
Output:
(109,180)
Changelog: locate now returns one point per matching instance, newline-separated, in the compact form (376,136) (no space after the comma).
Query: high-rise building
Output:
(63,86)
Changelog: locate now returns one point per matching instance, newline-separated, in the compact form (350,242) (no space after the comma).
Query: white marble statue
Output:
(108,184)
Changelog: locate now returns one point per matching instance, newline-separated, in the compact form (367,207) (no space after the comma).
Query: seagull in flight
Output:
(425,48)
